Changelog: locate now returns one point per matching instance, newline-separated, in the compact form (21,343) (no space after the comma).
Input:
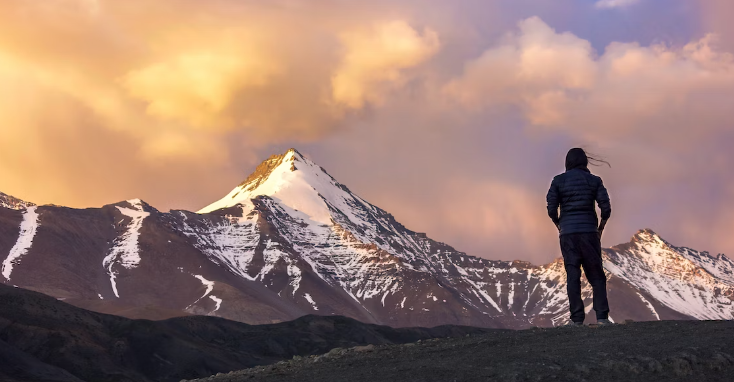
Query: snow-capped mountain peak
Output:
(649,237)
(266,168)
(688,281)
(294,182)
(720,265)
(135,204)
(649,242)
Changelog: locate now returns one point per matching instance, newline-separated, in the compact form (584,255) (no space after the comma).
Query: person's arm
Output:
(602,198)
(553,201)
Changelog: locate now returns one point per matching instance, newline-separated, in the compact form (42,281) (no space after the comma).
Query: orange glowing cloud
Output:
(174,100)
(198,86)
(374,59)
(174,82)
(163,75)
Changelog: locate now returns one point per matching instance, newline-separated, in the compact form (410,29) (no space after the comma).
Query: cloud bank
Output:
(181,72)
(454,124)
(563,85)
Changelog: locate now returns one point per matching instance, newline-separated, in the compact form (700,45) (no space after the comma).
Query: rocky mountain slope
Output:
(13,203)
(291,241)
(43,339)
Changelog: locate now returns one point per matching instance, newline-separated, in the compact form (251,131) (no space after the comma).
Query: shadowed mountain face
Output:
(43,339)
(292,241)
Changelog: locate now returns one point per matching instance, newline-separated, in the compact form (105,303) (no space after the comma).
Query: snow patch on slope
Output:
(125,251)
(28,228)
(310,301)
(209,288)
(229,243)
(208,284)
(219,304)
(649,306)
(511,296)
(294,274)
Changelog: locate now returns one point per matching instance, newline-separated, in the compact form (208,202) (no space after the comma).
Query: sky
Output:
(453,116)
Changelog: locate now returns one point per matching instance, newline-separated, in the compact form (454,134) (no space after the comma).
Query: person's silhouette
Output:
(575,192)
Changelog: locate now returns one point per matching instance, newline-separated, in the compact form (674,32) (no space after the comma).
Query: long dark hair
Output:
(579,158)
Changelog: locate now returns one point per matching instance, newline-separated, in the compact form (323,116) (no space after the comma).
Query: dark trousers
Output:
(584,250)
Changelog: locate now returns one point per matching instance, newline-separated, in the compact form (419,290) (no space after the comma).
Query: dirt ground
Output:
(637,351)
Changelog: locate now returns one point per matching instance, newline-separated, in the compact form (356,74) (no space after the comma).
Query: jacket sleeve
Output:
(602,198)
(553,200)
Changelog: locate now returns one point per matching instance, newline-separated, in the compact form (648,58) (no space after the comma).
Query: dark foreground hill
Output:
(43,339)
(645,351)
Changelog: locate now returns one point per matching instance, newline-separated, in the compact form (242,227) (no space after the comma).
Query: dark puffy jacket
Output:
(575,191)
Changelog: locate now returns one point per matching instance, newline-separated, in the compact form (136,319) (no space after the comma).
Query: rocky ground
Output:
(644,351)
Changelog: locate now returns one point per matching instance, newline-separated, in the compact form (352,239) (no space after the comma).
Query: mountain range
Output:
(291,241)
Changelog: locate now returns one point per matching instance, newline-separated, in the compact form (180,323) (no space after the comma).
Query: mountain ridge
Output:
(291,240)
(13,203)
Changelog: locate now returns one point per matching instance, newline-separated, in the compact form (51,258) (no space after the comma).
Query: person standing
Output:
(576,191)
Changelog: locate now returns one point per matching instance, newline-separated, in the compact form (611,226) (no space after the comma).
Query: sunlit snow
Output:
(125,251)
(28,228)
(219,304)
(310,301)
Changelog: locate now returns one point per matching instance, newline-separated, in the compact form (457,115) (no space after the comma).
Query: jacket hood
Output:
(576,158)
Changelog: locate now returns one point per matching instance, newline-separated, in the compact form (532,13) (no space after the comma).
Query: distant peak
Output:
(296,182)
(135,204)
(264,169)
(646,232)
(647,235)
